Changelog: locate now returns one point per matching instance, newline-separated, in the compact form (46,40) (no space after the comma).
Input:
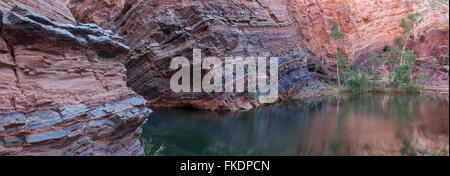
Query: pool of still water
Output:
(367,125)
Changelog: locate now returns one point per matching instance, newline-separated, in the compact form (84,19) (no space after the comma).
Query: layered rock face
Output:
(158,31)
(283,28)
(367,24)
(371,24)
(62,86)
(55,11)
(100,12)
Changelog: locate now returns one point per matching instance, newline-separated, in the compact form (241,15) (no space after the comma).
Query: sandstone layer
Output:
(62,86)
(55,11)
(369,25)
(157,31)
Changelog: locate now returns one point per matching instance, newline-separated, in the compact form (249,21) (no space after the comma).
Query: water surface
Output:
(368,125)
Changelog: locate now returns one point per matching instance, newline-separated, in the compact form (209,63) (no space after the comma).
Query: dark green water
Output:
(368,125)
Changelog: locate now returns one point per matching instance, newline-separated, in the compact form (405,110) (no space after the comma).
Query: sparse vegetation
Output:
(408,26)
(150,149)
(335,33)
(341,59)
(401,61)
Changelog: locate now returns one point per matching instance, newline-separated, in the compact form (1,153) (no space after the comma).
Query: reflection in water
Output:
(369,125)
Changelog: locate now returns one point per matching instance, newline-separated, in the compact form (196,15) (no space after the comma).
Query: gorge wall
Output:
(62,85)
(368,24)
(157,31)
(55,11)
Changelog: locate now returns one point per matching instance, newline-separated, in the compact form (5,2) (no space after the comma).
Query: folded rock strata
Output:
(283,28)
(55,11)
(62,87)
(158,31)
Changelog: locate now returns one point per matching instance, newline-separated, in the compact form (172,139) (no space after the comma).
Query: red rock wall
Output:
(100,12)
(289,25)
(158,31)
(63,90)
(368,24)
(55,11)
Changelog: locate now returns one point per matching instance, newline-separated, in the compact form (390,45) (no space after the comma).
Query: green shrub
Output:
(402,76)
(422,78)
(149,147)
(394,50)
(410,57)
(399,40)
(377,60)
(402,80)
(358,84)
(335,33)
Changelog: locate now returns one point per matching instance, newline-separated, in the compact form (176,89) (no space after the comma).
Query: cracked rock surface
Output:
(62,86)
(158,31)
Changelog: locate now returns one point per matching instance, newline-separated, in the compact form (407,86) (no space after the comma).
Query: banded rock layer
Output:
(62,88)
(368,24)
(157,31)
(55,11)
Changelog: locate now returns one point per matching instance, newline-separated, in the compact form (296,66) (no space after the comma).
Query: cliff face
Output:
(158,31)
(62,86)
(55,11)
(100,12)
(283,28)
(368,24)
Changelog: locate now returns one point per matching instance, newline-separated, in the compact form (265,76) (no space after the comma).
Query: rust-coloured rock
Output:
(62,88)
(100,12)
(367,24)
(218,28)
(278,28)
(55,11)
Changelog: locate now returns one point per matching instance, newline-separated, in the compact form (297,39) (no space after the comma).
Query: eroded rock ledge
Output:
(109,129)
(63,90)
(157,31)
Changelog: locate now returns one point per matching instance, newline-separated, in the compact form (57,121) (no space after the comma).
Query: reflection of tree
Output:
(372,125)
(367,125)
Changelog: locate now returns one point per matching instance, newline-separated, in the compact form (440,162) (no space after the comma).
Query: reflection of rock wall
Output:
(407,128)
(62,87)
(355,135)
(430,134)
